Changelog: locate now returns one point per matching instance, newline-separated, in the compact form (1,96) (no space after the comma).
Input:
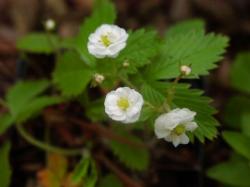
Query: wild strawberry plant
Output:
(137,78)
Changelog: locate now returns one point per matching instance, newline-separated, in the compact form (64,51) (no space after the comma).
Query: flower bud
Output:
(125,64)
(50,24)
(99,78)
(185,70)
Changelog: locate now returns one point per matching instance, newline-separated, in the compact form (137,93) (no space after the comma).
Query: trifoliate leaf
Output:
(193,25)
(141,46)
(240,72)
(104,12)
(196,49)
(110,180)
(71,74)
(5,174)
(38,43)
(239,142)
(184,97)
(231,173)
(133,157)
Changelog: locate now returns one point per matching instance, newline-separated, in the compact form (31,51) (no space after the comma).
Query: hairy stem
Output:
(171,92)
(47,147)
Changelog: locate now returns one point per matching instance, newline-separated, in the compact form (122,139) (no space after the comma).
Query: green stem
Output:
(52,44)
(44,146)
(127,82)
(171,92)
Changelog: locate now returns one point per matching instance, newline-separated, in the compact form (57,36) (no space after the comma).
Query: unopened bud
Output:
(185,70)
(99,78)
(125,64)
(50,24)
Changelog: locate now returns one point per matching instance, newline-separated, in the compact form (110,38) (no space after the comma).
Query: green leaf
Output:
(71,74)
(195,101)
(236,107)
(191,48)
(95,111)
(141,46)
(193,25)
(134,157)
(91,179)
(152,95)
(103,13)
(245,124)
(35,106)
(38,43)
(239,142)
(5,174)
(110,180)
(22,92)
(24,101)
(147,113)
(231,173)
(81,170)
(240,72)
(6,120)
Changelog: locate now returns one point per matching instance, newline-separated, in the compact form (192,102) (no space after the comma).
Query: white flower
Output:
(50,24)
(172,126)
(124,105)
(185,70)
(107,41)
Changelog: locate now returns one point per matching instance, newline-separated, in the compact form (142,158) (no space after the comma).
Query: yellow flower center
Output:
(105,40)
(123,103)
(180,129)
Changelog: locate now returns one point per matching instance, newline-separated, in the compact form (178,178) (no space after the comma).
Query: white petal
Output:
(186,115)
(131,119)
(184,139)
(166,121)
(114,49)
(117,117)
(176,140)
(162,133)
(191,126)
